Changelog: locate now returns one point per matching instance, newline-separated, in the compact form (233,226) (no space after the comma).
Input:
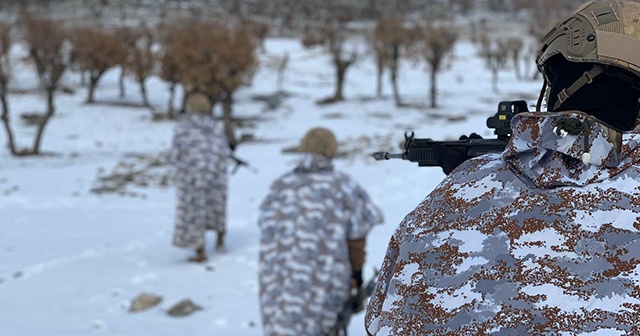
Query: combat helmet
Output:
(605,33)
(321,141)
(198,103)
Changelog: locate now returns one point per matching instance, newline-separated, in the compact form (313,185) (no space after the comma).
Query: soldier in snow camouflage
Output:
(313,225)
(544,238)
(199,152)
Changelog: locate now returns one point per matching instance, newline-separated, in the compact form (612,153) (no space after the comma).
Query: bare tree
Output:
(513,47)
(235,67)
(333,37)
(433,45)
(216,60)
(51,52)
(96,51)
(170,62)
(127,37)
(259,29)
(5,75)
(390,37)
(283,63)
(495,54)
(142,61)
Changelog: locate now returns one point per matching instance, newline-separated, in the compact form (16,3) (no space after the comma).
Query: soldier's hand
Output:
(356,279)
(448,159)
(471,136)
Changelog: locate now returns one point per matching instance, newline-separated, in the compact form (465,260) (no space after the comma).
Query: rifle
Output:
(421,150)
(355,304)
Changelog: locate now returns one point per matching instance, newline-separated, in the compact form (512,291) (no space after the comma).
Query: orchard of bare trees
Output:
(212,46)
(216,59)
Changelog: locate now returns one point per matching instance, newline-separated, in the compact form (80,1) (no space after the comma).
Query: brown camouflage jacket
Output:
(531,242)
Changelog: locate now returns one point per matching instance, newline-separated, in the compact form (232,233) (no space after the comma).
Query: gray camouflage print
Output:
(199,153)
(305,222)
(530,242)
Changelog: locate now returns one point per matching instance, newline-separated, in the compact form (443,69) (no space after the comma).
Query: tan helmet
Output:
(601,32)
(198,103)
(321,141)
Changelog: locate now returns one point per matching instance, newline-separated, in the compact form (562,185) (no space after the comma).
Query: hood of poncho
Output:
(542,151)
(311,162)
(200,121)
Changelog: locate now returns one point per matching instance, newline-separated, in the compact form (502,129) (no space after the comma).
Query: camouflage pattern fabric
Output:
(529,242)
(305,222)
(199,153)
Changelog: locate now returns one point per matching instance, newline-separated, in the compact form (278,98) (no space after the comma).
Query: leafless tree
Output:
(128,37)
(216,60)
(142,61)
(389,39)
(282,67)
(96,51)
(259,29)
(495,55)
(169,62)
(433,45)
(333,36)
(513,47)
(235,67)
(50,50)
(5,76)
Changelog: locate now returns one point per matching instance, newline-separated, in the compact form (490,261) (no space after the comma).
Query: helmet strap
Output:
(637,114)
(585,79)
(541,96)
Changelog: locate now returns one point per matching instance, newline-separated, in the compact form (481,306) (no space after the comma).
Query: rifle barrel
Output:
(386,156)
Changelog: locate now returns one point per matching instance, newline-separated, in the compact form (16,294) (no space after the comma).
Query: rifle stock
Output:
(421,150)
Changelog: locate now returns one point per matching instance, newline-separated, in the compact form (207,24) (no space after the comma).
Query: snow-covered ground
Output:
(71,260)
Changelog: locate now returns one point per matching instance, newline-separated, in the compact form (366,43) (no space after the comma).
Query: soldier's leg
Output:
(201,255)
(220,242)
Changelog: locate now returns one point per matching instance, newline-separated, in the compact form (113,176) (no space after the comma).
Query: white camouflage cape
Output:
(532,242)
(199,153)
(305,223)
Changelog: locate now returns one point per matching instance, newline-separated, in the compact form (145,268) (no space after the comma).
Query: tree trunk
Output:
(341,70)
(7,126)
(379,80)
(93,82)
(44,121)
(183,104)
(434,89)
(516,65)
(172,95)
(143,92)
(394,84)
(121,82)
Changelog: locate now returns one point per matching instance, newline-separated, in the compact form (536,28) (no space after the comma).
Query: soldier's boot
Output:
(220,242)
(201,255)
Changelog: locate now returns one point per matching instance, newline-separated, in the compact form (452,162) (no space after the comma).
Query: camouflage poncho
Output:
(199,153)
(305,223)
(532,242)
